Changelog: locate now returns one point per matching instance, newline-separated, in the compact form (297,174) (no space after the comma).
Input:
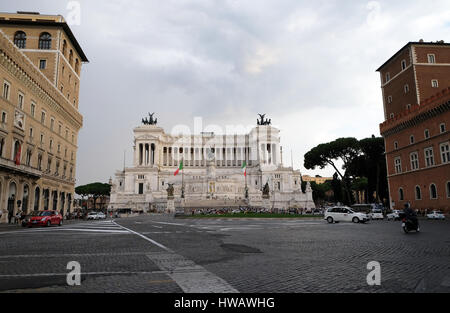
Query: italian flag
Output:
(17,158)
(180,168)
(244,169)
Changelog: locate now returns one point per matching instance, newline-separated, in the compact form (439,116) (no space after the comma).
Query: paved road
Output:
(161,254)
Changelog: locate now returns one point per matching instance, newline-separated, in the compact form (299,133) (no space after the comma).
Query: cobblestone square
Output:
(160,254)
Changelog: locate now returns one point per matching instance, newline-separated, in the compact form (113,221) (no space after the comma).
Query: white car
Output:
(376,215)
(96,216)
(436,215)
(344,214)
(395,215)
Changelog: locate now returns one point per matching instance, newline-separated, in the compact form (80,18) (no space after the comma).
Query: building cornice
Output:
(21,67)
(429,108)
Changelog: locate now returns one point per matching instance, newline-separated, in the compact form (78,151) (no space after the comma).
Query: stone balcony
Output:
(10,166)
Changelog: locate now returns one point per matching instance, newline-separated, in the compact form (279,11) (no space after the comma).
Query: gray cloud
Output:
(309,65)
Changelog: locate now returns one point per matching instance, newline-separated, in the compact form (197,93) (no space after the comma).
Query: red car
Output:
(44,218)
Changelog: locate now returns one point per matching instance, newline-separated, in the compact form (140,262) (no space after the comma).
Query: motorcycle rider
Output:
(411,215)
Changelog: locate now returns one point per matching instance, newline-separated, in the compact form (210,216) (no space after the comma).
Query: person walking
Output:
(10,216)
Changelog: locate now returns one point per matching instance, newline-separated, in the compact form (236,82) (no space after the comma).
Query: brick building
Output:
(416,97)
(40,68)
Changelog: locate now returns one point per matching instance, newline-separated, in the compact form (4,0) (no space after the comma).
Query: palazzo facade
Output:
(40,68)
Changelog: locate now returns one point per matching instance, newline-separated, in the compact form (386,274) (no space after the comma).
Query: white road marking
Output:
(82,274)
(191,278)
(144,237)
(26,256)
(93,230)
(176,224)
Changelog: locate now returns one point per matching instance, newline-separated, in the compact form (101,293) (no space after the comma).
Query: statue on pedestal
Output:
(150,120)
(266,191)
(170,191)
(263,121)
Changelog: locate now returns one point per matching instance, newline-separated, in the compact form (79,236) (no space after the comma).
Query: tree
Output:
(319,191)
(344,149)
(372,164)
(360,184)
(94,190)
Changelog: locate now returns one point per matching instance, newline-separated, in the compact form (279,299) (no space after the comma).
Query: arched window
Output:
(45,41)
(401,195)
(37,198)
(12,197)
(77,66)
(26,195)
(20,39)
(64,48)
(433,191)
(70,57)
(418,193)
(46,199)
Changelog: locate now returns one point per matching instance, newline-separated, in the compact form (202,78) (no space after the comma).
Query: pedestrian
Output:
(23,215)
(10,216)
(17,217)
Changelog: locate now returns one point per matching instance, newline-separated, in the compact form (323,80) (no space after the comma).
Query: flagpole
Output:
(182,178)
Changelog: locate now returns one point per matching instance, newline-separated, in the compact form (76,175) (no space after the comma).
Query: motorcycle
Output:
(409,224)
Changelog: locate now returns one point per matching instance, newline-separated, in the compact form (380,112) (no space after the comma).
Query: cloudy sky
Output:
(310,65)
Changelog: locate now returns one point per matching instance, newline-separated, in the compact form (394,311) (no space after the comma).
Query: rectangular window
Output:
(431,58)
(43,117)
(31,133)
(141,189)
(434,83)
(445,152)
(427,134)
(33,109)
(4,117)
(398,165)
(6,90)
(442,128)
(20,100)
(52,124)
(388,77)
(429,157)
(414,161)
(390,99)
(28,159)
(406,88)
(42,64)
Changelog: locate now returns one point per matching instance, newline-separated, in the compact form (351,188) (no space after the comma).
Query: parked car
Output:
(436,215)
(43,218)
(96,216)
(344,214)
(394,216)
(376,214)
